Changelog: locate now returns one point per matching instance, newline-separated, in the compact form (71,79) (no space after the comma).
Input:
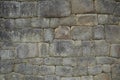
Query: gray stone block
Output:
(98,32)
(63,71)
(28,9)
(86,78)
(70,61)
(115,50)
(87,19)
(61,48)
(102,48)
(54,22)
(52,77)
(112,33)
(116,71)
(102,76)
(43,49)
(33,78)
(54,8)
(105,6)
(106,68)
(36,61)
(82,6)
(117,10)
(27,50)
(70,78)
(81,33)
(40,22)
(48,35)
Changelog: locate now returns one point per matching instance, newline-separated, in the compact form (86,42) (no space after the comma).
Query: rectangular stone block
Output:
(10,9)
(102,48)
(46,70)
(87,19)
(86,78)
(53,8)
(29,77)
(61,48)
(28,9)
(81,33)
(63,71)
(112,33)
(43,49)
(105,6)
(102,76)
(116,71)
(52,77)
(82,6)
(54,22)
(117,9)
(36,61)
(53,61)
(48,35)
(98,32)
(70,61)
(106,68)
(27,50)
(7,54)
(70,78)
(40,22)
(115,50)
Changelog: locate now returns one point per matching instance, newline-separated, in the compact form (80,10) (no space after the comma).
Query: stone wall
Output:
(59,39)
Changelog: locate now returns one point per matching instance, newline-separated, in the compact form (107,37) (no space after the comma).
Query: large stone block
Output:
(87,19)
(101,48)
(53,8)
(117,10)
(40,22)
(105,6)
(64,71)
(26,50)
(48,35)
(82,6)
(115,50)
(10,9)
(106,68)
(62,32)
(7,54)
(43,49)
(116,71)
(102,76)
(70,61)
(61,48)
(28,9)
(98,32)
(112,33)
(52,77)
(81,33)
(28,77)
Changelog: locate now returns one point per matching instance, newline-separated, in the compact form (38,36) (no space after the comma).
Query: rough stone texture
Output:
(81,33)
(112,33)
(54,8)
(59,39)
(82,6)
(115,50)
(87,19)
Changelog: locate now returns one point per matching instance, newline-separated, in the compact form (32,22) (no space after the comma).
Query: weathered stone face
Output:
(54,8)
(115,50)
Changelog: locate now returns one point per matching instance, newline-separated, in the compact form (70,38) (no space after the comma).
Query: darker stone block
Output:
(53,8)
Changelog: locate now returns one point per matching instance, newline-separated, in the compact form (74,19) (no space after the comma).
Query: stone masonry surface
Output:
(59,39)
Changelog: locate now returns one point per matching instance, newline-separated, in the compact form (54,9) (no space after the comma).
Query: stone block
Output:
(106,68)
(27,50)
(88,48)
(64,71)
(102,48)
(46,70)
(86,78)
(53,61)
(61,48)
(112,33)
(48,35)
(2,77)
(54,8)
(52,77)
(102,76)
(28,9)
(70,61)
(43,49)
(70,78)
(10,9)
(81,33)
(26,69)
(54,22)
(40,22)
(98,32)
(87,19)
(22,23)
(105,6)
(116,71)
(105,60)
(13,76)
(29,77)
(6,67)
(115,50)
(82,6)
(117,10)
(62,32)
(94,70)
(102,19)
(36,61)
(7,54)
